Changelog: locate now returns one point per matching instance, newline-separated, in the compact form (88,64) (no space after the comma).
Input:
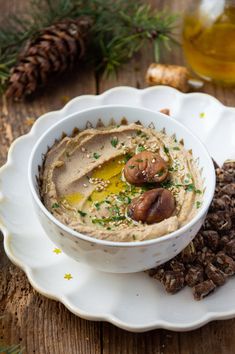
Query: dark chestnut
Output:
(152,206)
(145,167)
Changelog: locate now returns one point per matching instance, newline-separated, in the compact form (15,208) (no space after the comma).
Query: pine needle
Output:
(13,349)
(120,29)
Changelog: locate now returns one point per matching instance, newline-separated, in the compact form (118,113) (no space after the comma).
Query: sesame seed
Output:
(84,185)
(88,156)
(153,160)
(83,149)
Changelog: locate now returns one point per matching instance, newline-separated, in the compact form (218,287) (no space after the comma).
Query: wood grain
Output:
(43,326)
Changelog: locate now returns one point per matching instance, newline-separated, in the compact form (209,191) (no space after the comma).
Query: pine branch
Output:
(13,349)
(120,29)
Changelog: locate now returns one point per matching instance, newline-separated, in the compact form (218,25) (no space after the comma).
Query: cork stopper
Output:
(172,75)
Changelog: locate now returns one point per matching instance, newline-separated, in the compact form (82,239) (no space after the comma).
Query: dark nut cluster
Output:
(152,206)
(209,259)
(145,167)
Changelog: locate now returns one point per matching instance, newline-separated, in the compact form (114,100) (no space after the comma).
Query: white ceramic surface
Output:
(131,301)
(121,257)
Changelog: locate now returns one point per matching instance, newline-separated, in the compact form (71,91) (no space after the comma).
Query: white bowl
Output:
(120,257)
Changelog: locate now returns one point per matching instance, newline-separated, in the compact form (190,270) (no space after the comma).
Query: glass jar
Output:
(209,39)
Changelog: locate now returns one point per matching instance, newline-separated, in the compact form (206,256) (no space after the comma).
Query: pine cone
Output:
(53,51)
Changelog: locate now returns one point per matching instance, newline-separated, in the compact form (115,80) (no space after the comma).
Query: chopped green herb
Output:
(82,213)
(190,187)
(115,208)
(114,142)
(105,220)
(138,132)
(202,115)
(108,228)
(186,181)
(166,150)
(143,135)
(176,148)
(198,204)
(178,185)
(97,205)
(55,206)
(173,169)
(89,199)
(131,167)
(147,187)
(167,184)
(124,198)
(139,160)
(140,148)
(160,173)
(127,157)
(96,156)
(198,191)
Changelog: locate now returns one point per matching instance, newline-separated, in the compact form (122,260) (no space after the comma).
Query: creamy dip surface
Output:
(84,187)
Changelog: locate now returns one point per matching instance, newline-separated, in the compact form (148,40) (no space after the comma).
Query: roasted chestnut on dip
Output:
(146,167)
(152,206)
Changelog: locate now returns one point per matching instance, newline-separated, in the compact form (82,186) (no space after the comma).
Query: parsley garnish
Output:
(97,205)
(127,157)
(160,173)
(124,199)
(131,167)
(140,148)
(166,150)
(96,156)
(198,204)
(89,199)
(191,188)
(114,142)
(82,213)
(198,191)
(139,160)
(176,148)
(105,220)
(173,169)
(167,184)
(55,206)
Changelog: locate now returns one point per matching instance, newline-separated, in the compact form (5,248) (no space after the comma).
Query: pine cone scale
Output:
(55,49)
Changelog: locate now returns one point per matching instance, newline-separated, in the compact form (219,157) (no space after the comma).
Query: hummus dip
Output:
(84,187)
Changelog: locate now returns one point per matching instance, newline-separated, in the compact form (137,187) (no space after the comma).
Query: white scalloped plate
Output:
(134,302)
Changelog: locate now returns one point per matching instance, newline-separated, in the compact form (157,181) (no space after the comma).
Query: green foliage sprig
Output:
(120,29)
(13,349)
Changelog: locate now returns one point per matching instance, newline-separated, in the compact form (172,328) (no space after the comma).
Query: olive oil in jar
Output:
(209,41)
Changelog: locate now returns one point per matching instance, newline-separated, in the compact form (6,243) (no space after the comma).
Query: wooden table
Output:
(43,326)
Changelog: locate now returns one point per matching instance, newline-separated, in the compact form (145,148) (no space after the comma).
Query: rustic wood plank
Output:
(214,337)
(38,324)
(45,326)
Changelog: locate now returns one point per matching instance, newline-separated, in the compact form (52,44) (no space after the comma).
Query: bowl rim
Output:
(202,211)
